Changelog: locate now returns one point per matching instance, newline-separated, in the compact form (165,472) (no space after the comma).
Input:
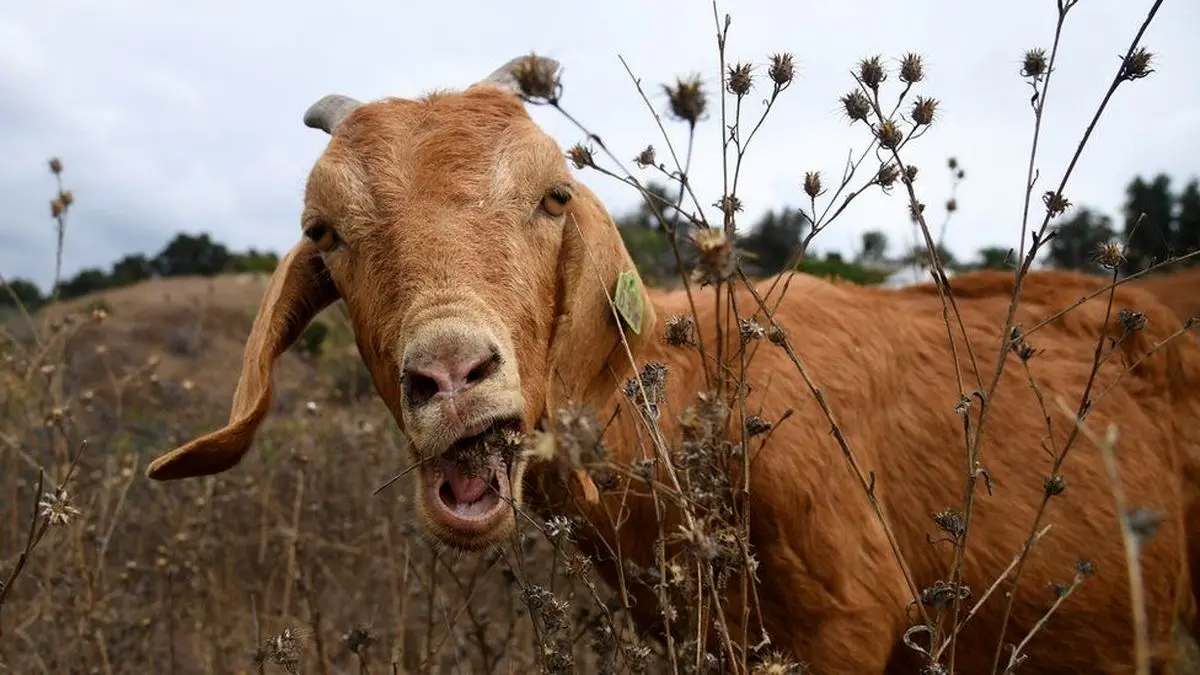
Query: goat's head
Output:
(477,274)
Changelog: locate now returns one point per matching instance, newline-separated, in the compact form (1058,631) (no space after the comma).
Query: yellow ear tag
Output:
(628,300)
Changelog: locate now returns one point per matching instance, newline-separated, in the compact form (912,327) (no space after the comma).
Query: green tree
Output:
(874,247)
(1187,220)
(1152,239)
(773,240)
(130,270)
(995,258)
(26,291)
(1077,239)
(86,281)
(188,255)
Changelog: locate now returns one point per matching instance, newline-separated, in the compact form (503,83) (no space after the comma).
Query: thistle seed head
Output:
(1137,65)
(856,105)
(889,135)
(911,69)
(923,110)
(871,72)
(687,99)
(740,79)
(781,70)
(1034,63)
(812,183)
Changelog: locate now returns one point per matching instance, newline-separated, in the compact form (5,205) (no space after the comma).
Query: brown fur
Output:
(438,204)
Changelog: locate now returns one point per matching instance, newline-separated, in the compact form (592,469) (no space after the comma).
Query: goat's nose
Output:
(448,369)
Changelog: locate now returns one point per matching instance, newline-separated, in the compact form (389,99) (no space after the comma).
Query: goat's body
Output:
(832,593)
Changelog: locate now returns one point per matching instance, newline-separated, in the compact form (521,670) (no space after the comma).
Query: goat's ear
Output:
(298,290)
(594,267)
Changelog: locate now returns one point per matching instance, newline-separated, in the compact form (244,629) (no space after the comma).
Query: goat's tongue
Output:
(466,489)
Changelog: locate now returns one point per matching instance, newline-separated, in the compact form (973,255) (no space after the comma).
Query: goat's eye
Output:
(555,201)
(323,236)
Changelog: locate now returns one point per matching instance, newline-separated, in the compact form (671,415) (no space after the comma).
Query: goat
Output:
(477,270)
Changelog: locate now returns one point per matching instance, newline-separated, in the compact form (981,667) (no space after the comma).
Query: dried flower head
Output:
(1137,65)
(717,256)
(581,156)
(56,507)
(1110,255)
(645,158)
(781,70)
(1055,485)
(812,183)
(729,204)
(923,110)
(889,135)
(680,330)
(856,105)
(67,197)
(750,330)
(756,425)
(57,207)
(1034,63)
(1055,202)
(887,175)
(740,79)
(910,173)
(951,205)
(357,639)
(1131,320)
(871,72)
(911,69)
(687,99)
(952,163)
(56,166)
(537,79)
(777,335)
(915,211)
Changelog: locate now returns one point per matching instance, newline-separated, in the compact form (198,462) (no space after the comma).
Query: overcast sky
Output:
(186,116)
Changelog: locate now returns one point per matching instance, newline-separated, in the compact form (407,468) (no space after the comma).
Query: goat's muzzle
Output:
(469,488)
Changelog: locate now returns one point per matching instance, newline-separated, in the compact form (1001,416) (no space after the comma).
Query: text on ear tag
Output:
(628,300)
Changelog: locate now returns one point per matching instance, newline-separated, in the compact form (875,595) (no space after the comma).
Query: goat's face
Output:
(474,270)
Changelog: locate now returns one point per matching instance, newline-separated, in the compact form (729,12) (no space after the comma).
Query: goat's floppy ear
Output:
(297,291)
(593,267)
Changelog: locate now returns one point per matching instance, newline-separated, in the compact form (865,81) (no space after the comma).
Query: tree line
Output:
(1156,223)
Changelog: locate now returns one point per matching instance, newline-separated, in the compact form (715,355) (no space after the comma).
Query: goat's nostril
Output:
(484,369)
(418,388)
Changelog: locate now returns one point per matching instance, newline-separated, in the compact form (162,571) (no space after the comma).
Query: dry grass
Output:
(293,563)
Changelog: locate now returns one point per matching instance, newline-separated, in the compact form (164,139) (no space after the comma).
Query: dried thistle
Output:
(57,207)
(717,256)
(537,79)
(756,425)
(1034,63)
(889,134)
(56,507)
(781,70)
(1137,65)
(581,156)
(1131,320)
(887,175)
(687,99)
(871,72)
(1055,485)
(645,158)
(911,69)
(750,330)
(777,335)
(740,79)
(680,331)
(951,205)
(358,639)
(910,174)
(56,165)
(1110,255)
(923,110)
(951,522)
(812,184)
(1055,202)
(915,211)
(856,106)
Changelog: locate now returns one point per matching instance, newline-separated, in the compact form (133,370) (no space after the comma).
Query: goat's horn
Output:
(506,76)
(328,112)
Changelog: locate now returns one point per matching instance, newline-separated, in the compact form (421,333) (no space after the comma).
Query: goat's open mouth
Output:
(469,487)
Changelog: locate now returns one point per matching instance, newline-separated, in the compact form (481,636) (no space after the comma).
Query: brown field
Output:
(191,577)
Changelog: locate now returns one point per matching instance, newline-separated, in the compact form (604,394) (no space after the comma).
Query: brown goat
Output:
(476,271)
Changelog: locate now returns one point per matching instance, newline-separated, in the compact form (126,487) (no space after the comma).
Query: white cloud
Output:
(174,116)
